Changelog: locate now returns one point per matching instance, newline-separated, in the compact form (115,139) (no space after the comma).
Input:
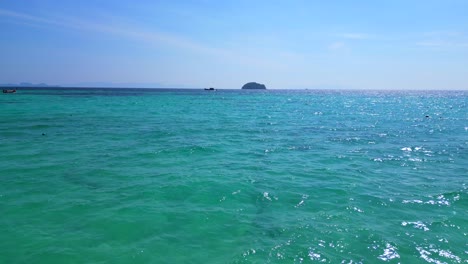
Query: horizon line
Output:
(202,88)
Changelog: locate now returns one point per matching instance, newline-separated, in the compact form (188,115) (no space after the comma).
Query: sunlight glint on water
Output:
(157,176)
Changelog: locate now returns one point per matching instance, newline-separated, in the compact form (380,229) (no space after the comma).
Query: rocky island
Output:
(253,86)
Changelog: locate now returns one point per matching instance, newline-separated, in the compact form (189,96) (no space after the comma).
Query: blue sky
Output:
(397,44)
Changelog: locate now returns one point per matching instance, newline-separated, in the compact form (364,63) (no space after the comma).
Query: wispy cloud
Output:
(26,17)
(354,36)
(86,25)
(442,44)
(447,33)
(343,38)
(443,39)
(337,45)
(145,35)
(432,43)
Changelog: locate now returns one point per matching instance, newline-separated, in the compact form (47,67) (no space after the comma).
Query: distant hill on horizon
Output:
(27,84)
(254,86)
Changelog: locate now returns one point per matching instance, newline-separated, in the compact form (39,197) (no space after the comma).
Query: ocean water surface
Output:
(189,176)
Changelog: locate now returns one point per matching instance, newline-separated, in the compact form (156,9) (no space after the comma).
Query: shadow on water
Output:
(83,178)
(265,222)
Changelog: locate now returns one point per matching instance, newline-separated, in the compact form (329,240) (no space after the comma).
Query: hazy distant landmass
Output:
(26,84)
(253,86)
(98,85)
(127,85)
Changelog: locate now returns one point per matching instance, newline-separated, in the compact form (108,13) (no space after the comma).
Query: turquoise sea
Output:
(233,176)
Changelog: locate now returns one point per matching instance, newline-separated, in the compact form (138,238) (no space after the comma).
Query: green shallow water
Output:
(160,176)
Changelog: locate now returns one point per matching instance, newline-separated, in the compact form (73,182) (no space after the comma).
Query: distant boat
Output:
(210,89)
(9,90)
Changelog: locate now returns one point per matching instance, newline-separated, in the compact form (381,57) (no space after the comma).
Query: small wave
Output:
(418,225)
(304,197)
(315,256)
(249,252)
(429,254)
(268,197)
(415,159)
(389,253)
(354,208)
(439,200)
(415,149)
(413,201)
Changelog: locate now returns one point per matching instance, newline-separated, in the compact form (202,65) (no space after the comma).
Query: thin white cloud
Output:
(446,33)
(337,45)
(151,37)
(354,36)
(25,17)
(432,43)
(85,25)
(443,39)
(441,44)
